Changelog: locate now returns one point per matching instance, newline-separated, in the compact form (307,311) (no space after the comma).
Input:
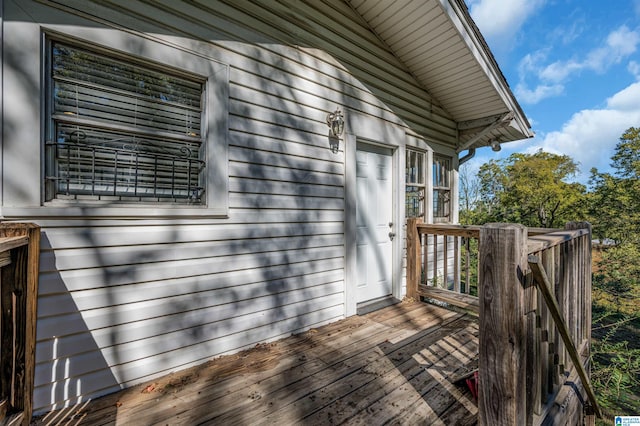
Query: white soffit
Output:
(443,49)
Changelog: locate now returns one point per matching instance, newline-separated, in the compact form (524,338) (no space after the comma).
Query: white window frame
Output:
(213,129)
(146,49)
(146,163)
(448,188)
(423,185)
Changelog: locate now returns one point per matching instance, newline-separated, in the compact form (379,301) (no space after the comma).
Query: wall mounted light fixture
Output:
(495,145)
(335,121)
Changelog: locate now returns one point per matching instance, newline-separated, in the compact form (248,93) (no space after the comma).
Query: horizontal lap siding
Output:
(141,310)
(122,301)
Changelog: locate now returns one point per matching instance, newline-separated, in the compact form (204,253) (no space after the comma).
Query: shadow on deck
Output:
(390,366)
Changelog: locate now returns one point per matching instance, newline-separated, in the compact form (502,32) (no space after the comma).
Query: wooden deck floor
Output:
(387,367)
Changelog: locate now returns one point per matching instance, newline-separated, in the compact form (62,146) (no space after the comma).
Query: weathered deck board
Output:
(391,365)
(365,376)
(454,298)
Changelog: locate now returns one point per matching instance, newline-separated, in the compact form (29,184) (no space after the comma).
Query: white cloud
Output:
(623,41)
(634,68)
(498,19)
(568,34)
(620,44)
(558,72)
(627,99)
(542,91)
(590,136)
(531,62)
(550,78)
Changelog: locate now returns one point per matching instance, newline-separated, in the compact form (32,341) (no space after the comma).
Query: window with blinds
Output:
(441,188)
(415,183)
(121,130)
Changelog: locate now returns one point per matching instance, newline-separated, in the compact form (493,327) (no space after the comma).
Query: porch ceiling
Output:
(443,49)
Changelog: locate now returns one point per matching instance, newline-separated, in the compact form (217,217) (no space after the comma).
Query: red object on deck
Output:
(472,383)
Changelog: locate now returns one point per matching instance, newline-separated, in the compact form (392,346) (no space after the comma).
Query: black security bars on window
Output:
(123,130)
(124,171)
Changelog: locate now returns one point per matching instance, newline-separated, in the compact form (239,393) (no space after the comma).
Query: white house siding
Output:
(124,300)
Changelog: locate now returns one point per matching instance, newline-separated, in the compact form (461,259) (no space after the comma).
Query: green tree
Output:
(532,189)
(618,277)
(615,197)
(615,214)
(626,160)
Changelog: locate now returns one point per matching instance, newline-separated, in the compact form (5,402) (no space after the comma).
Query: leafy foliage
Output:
(532,189)
(615,353)
(617,278)
(615,198)
(626,159)
(615,213)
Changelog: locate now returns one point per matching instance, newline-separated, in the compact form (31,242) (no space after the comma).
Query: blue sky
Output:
(574,66)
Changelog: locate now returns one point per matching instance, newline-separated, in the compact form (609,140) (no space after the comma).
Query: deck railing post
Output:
(413,257)
(502,342)
(20,285)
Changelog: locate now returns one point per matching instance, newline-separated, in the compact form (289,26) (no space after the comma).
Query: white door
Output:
(374,211)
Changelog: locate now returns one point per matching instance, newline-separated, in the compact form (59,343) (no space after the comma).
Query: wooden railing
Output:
(442,263)
(560,265)
(534,306)
(19,257)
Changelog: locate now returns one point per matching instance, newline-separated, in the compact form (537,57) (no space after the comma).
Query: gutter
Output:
(467,157)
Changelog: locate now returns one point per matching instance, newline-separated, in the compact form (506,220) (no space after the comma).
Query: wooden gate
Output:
(19,265)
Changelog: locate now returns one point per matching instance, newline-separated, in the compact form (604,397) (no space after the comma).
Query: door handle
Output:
(391,235)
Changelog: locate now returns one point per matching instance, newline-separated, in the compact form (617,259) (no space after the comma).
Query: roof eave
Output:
(462,20)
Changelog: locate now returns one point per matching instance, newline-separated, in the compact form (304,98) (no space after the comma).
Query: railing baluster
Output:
(467,268)
(546,336)
(456,264)
(533,376)
(424,277)
(445,262)
(434,279)
(563,291)
(413,257)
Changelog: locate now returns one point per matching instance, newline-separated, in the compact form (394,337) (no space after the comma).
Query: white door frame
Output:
(371,130)
(376,221)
